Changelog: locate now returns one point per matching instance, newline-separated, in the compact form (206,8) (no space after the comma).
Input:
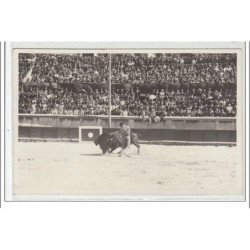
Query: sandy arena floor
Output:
(81,169)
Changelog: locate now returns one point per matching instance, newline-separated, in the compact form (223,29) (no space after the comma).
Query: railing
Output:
(175,123)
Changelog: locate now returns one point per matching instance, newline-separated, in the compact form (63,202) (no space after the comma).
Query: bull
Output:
(109,142)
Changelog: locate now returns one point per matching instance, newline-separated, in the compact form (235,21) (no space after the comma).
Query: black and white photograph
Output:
(124,121)
(124,125)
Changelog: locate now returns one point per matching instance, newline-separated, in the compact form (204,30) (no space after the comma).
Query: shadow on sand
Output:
(100,154)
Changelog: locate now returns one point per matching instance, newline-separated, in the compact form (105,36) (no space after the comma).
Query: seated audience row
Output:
(128,102)
(130,68)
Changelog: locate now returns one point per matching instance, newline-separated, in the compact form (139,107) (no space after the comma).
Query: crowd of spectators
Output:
(160,103)
(162,68)
(64,101)
(129,102)
(25,63)
(190,84)
(68,68)
(174,68)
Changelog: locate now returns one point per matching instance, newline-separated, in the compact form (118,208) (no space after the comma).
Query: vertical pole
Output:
(110,78)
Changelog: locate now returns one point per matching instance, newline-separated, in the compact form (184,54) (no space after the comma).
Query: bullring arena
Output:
(56,161)
(81,169)
(183,106)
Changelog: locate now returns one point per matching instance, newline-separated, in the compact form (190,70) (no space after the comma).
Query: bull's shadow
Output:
(99,154)
(90,154)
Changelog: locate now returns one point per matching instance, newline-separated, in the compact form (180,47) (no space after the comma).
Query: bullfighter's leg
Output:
(138,147)
(127,147)
(120,153)
(128,142)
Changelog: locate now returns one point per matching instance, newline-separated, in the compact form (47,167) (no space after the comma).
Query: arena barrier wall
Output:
(170,129)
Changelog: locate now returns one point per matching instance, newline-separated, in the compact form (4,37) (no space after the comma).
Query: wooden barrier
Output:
(190,129)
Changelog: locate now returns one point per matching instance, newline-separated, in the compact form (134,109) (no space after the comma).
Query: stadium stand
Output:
(151,86)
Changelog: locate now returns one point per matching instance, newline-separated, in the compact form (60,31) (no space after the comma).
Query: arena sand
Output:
(81,169)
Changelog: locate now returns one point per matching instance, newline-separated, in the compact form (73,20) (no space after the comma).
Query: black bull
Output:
(108,142)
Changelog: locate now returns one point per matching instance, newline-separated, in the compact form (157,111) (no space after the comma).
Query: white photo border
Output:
(241,102)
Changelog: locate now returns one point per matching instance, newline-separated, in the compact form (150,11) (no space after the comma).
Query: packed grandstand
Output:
(152,86)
